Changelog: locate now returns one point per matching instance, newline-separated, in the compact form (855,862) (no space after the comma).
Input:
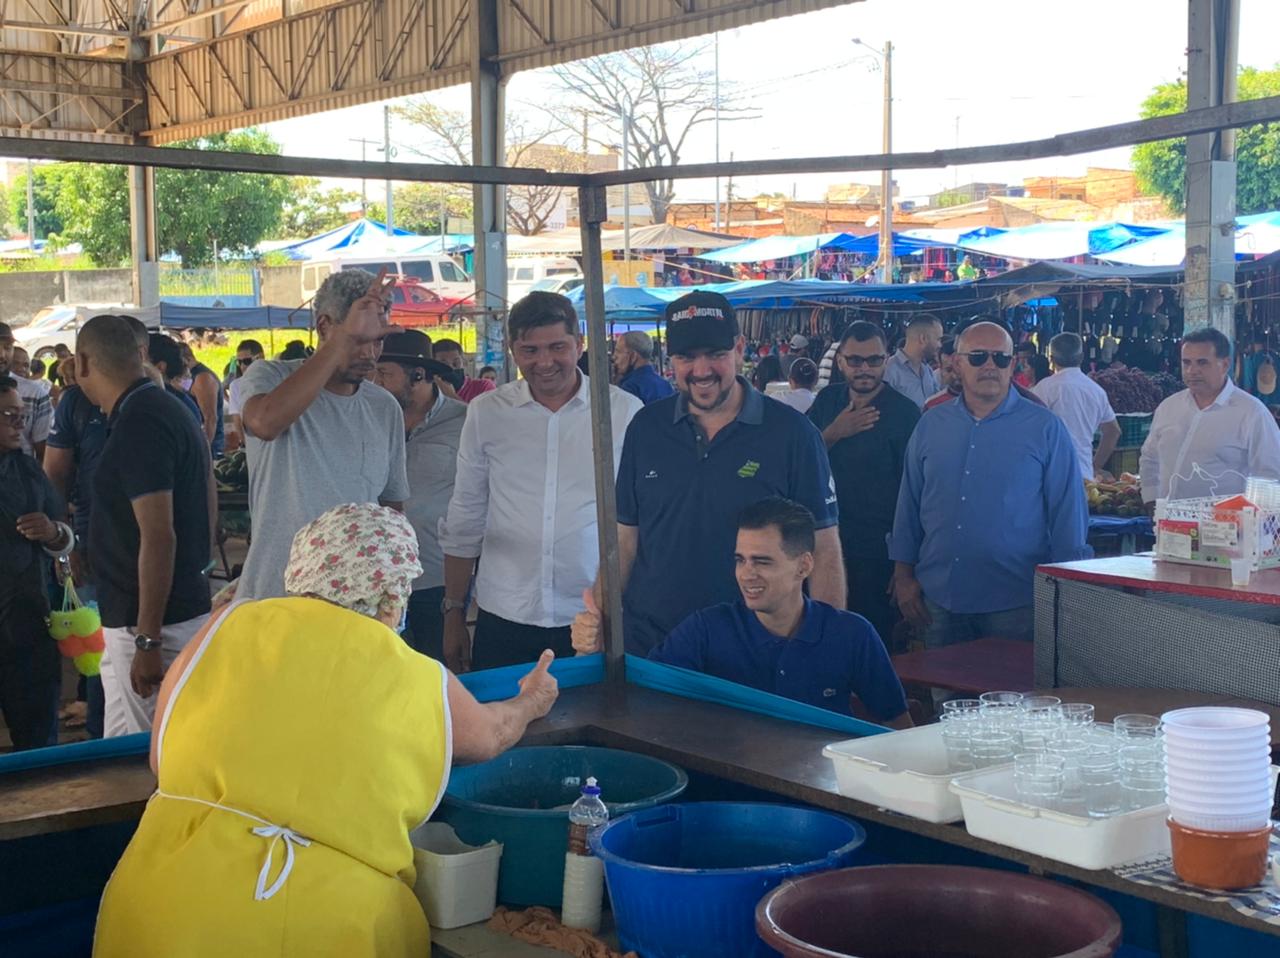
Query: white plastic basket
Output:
(904,771)
(993,811)
(457,883)
(1196,531)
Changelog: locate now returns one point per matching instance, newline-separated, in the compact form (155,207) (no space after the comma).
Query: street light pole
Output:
(886,176)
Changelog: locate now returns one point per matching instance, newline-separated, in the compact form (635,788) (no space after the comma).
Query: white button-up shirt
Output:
(1082,405)
(524,501)
(1193,452)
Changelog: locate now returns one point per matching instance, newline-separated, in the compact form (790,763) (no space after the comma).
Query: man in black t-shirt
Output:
(151,529)
(865,424)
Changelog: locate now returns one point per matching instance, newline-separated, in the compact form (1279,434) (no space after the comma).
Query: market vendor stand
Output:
(781,759)
(1143,622)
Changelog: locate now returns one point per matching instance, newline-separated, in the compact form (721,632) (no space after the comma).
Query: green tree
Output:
(197,211)
(1161,166)
(310,209)
(47,179)
(417,206)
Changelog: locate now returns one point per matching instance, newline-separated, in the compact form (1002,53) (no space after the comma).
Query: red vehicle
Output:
(413,304)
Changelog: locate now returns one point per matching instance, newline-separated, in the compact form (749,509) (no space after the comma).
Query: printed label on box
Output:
(1221,535)
(1175,544)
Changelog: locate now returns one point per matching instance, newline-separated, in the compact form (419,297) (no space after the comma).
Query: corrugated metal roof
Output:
(358,51)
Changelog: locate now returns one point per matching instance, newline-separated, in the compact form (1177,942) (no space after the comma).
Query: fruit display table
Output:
(1142,622)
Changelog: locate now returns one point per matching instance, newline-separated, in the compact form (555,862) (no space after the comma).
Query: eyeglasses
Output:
(14,417)
(979,357)
(244,363)
(875,362)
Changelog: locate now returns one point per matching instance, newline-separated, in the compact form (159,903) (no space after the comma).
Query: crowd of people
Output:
(775,537)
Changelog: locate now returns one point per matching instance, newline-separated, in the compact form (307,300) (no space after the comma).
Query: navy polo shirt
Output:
(645,384)
(80,426)
(835,654)
(684,495)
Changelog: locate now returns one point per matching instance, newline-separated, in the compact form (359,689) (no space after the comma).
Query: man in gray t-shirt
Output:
(317,433)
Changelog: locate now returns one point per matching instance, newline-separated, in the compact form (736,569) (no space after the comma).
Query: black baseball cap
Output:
(412,348)
(700,320)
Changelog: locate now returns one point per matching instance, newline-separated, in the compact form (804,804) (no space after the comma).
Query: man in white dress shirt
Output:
(524,498)
(1207,439)
(1080,403)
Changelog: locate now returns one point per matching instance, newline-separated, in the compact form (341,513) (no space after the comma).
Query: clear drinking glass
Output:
(1071,745)
(1100,782)
(1038,721)
(957,729)
(969,708)
(1137,726)
(1038,778)
(1141,776)
(1077,713)
(991,746)
(1030,703)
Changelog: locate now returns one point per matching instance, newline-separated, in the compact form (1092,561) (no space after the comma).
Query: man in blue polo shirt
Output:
(692,462)
(772,637)
(633,365)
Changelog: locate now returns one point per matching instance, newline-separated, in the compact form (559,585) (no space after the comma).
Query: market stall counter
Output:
(781,759)
(1144,622)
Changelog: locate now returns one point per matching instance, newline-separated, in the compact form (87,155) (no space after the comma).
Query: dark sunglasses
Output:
(979,358)
(242,363)
(875,362)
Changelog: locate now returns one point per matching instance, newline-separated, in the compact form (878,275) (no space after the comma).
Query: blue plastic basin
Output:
(522,800)
(684,880)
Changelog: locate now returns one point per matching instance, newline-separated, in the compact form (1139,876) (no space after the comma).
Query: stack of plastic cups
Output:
(1218,784)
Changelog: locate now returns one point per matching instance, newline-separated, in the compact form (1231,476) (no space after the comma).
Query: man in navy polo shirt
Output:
(692,462)
(772,637)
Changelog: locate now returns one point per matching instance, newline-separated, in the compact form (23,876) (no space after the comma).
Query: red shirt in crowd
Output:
(472,388)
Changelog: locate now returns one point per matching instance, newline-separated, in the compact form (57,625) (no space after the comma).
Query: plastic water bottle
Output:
(583,872)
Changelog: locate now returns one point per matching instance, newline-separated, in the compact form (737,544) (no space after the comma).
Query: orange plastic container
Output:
(1224,860)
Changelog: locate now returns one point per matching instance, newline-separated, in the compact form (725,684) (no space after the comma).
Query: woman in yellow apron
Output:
(297,743)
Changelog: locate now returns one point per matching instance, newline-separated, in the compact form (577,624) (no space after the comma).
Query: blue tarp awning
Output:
(344,239)
(1256,235)
(784,247)
(1052,241)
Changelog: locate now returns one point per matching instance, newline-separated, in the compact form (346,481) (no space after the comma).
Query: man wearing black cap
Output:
(433,427)
(691,463)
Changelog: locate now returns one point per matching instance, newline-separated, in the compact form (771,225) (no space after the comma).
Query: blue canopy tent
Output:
(1256,235)
(345,239)
(785,247)
(1053,241)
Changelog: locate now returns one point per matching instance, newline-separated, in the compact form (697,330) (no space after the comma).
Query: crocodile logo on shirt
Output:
(749,469)
(828,693)
(651,474)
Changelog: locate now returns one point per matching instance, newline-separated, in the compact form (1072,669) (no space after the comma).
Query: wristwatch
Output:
(145,643)
(447,605)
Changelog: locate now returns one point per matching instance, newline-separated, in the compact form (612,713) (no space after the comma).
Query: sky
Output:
(988,72)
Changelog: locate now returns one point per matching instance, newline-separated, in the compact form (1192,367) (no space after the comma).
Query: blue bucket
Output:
(522,800)
(685,880)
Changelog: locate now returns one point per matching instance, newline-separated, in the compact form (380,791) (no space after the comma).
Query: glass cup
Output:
(1141,776)
(1038,721)
(968,708)
(1100,782)
(1000,698)
(1072,746)
(1038,778)
(1031,703)
(991,746)
(1077,713)
(957,729)
(1137,726)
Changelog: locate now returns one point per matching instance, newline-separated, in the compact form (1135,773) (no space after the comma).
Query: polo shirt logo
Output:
(749,469)
(828,693)
(651,474)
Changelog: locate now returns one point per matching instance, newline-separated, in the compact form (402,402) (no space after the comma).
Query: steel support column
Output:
(1212,40)
(143,253)
(489,201)
(593,210)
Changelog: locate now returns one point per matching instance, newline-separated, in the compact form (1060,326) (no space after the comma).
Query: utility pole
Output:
(886,176)
(717,124)
(31,208)
(626,187)
(364,184)
(728,193)
(388,154)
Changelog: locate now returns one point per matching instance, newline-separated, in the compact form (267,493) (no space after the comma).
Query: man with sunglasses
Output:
(866,427)
(247,353)
(991,489)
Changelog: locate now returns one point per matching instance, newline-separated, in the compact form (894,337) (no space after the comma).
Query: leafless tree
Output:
(448,140)
(664,91)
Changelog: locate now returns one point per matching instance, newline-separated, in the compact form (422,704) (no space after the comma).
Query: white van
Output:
(526,272)
(438,273)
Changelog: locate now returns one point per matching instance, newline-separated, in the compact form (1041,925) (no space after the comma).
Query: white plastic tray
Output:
(993,811)
(904,771)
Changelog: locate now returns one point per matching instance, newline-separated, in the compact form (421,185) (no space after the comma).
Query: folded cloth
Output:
(540,926)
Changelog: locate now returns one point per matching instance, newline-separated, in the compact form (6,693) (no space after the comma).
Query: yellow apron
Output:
(301,746)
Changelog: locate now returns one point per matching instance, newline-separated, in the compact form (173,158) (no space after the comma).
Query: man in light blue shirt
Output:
(990,489)
(910,369)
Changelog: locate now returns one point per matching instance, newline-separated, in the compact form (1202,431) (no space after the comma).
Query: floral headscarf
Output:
(358,556)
